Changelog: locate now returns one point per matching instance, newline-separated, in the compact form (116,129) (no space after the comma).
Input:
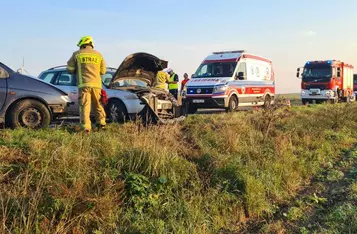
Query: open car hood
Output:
(139,66)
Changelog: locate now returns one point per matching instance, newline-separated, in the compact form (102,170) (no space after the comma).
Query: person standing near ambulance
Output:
(89,65)
(173,84)
(184,81)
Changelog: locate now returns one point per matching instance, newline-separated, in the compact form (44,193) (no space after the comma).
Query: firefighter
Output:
(162,79)
(173,84)
(89,65)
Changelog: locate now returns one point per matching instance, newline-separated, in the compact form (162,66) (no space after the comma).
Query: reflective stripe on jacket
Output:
(89,65)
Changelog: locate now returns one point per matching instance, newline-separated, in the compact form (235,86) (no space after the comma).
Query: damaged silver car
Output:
(137,74)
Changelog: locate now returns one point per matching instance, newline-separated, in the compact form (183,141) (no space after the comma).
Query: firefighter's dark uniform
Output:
(89,65)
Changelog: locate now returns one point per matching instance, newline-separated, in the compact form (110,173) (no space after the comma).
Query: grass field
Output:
(294,98)
(284,170)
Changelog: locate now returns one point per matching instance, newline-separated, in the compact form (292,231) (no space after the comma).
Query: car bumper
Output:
(318,94)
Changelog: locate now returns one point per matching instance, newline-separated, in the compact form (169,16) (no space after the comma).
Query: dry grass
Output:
(209,174)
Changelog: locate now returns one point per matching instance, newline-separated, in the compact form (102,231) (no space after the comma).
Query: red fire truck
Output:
(327,80)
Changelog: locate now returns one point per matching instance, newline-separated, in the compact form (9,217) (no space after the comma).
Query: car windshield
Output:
(217,69)
(129,83)
(355,78)
(317,73)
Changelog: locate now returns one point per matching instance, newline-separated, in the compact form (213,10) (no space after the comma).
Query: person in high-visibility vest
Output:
(173,84)
(162,79)
(89,65)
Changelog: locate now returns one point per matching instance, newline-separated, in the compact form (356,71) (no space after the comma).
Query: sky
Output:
(184,32)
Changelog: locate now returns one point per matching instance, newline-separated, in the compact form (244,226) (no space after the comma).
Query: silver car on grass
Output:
(121,104)
(130,90)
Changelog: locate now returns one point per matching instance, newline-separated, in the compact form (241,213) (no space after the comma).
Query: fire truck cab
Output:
(231,79)
(327,80)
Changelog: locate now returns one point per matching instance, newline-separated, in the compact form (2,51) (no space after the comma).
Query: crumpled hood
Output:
(197,82)
(140,66)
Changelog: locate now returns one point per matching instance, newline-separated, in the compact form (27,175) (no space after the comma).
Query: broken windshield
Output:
(216,69)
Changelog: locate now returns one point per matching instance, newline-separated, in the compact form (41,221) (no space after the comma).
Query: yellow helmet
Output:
(86,40)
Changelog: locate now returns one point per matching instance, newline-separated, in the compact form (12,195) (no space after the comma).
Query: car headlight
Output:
(220,88)
(303,93)
(65,98)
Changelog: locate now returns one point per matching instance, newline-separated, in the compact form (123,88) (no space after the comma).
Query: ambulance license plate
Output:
(198,101)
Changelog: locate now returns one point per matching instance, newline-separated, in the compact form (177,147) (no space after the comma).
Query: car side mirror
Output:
(240,76)
(298,73)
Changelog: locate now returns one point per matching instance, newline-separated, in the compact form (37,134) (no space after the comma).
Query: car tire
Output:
(232,104)
(28,114)
(304,102)
(116,112)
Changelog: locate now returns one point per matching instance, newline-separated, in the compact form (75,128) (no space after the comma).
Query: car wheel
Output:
(304,101)
(233,104)
(267,102)
(116,112)
(28,114)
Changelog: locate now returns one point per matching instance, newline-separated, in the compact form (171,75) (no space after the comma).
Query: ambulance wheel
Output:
(334,101)
(267,102)
(191,110)
(233,104)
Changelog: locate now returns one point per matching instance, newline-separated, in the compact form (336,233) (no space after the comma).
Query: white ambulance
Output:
(231,79)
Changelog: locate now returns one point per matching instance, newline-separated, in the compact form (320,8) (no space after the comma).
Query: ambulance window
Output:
(242,68)
(203,69)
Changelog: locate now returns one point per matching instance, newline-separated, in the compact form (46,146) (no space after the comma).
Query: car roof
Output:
(64,67)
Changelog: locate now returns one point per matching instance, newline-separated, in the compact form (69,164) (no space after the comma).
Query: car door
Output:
(3,86)
(67,83)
